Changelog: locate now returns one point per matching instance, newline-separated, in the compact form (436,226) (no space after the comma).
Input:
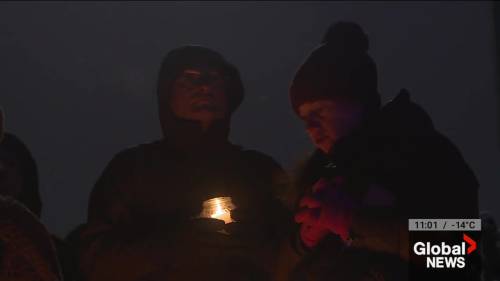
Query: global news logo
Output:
(445,256)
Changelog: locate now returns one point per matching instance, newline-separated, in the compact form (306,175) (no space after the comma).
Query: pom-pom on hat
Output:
(340,68)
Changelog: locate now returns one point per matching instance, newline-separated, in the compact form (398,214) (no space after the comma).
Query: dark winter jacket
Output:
(398,149)
(140,218)
(149,192)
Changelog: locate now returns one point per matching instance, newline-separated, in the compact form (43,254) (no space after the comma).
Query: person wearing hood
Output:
(19,173)
(140,210)
(27,250)
(19,181)
(374,168)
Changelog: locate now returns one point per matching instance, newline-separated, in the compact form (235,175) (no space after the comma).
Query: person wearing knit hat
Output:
(141,217)
(341,71)
(374,166)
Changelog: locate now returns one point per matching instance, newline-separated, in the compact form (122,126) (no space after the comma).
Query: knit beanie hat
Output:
(340,68)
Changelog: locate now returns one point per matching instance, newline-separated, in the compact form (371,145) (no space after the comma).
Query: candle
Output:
(218,208)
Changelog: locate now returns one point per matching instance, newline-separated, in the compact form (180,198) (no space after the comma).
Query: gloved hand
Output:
(329,209)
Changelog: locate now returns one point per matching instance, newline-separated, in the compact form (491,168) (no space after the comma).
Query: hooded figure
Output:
(18,173)
(182,132)
(374,168)
(19,180)
(142,212)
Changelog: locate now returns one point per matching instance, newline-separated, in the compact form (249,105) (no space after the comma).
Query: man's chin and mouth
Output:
(204,104)
(206,113)
(203,99)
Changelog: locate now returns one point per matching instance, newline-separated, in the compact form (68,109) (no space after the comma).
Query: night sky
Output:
(78,79)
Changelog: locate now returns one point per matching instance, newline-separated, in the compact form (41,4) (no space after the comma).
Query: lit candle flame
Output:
(218,209)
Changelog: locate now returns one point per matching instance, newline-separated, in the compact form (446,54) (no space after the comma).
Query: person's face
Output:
(199,94)
(11,181)
(329,120)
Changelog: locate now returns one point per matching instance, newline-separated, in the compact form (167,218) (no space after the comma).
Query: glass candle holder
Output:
(218,208)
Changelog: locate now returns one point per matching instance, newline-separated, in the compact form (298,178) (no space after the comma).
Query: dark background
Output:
(77,79)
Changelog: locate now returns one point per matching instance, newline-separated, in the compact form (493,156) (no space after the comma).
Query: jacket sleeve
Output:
(275,186)
(107,204)
(112,245)
(274,175)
